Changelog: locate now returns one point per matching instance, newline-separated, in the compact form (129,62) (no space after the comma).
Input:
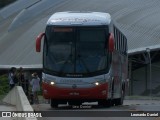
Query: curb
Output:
(18,98)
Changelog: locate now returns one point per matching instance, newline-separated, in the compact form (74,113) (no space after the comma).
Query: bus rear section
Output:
(79,62)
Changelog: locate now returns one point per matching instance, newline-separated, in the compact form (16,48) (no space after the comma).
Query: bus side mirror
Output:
(111,42)
(38,42)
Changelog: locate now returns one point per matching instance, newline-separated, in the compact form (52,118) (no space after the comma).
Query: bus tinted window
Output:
(76,50)
(92,35)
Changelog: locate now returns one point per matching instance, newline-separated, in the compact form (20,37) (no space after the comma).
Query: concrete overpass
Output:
(23,20)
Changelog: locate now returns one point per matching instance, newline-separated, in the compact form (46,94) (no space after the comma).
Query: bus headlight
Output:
(97,83)
(52,83)
(49,82)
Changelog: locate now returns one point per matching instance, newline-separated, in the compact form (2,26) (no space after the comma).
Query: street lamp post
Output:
(150,70)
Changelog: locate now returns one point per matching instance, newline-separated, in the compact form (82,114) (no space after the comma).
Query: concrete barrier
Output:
(18,98)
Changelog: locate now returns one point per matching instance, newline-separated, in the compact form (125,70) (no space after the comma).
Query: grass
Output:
(4,84)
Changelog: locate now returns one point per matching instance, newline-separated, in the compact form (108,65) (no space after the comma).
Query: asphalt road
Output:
(65,112)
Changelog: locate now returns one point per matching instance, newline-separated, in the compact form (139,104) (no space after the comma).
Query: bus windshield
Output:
(76,50)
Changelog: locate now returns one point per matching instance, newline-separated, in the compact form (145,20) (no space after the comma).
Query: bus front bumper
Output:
(94,93)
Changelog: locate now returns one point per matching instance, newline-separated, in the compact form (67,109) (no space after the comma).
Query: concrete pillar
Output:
(130,78)
(146,77)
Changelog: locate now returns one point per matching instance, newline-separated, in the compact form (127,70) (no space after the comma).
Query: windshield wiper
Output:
(70,56)
(62,68)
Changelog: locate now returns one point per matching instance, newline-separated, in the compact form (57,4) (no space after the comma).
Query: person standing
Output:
(26,79)
(12,77)
(35,86)
(21,79)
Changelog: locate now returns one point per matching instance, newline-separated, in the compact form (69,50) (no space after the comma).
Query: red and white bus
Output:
(84,59)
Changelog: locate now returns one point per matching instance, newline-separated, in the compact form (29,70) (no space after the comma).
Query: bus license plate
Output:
(73,93)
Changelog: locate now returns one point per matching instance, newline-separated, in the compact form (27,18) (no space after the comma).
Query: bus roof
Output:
(73,18)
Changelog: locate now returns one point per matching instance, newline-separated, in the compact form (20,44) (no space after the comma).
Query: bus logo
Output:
(74,86)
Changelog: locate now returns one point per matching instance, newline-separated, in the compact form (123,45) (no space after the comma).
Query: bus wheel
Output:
(54,104)
(119,101)
(105,103)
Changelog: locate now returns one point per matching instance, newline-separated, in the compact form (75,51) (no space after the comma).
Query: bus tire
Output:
(119,101)
(54,104)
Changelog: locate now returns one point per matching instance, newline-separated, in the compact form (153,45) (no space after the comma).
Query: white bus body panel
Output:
(79,19)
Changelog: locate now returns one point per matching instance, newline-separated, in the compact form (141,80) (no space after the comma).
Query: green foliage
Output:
(4,85)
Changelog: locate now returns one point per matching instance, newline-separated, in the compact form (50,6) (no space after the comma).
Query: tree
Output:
(4,85)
